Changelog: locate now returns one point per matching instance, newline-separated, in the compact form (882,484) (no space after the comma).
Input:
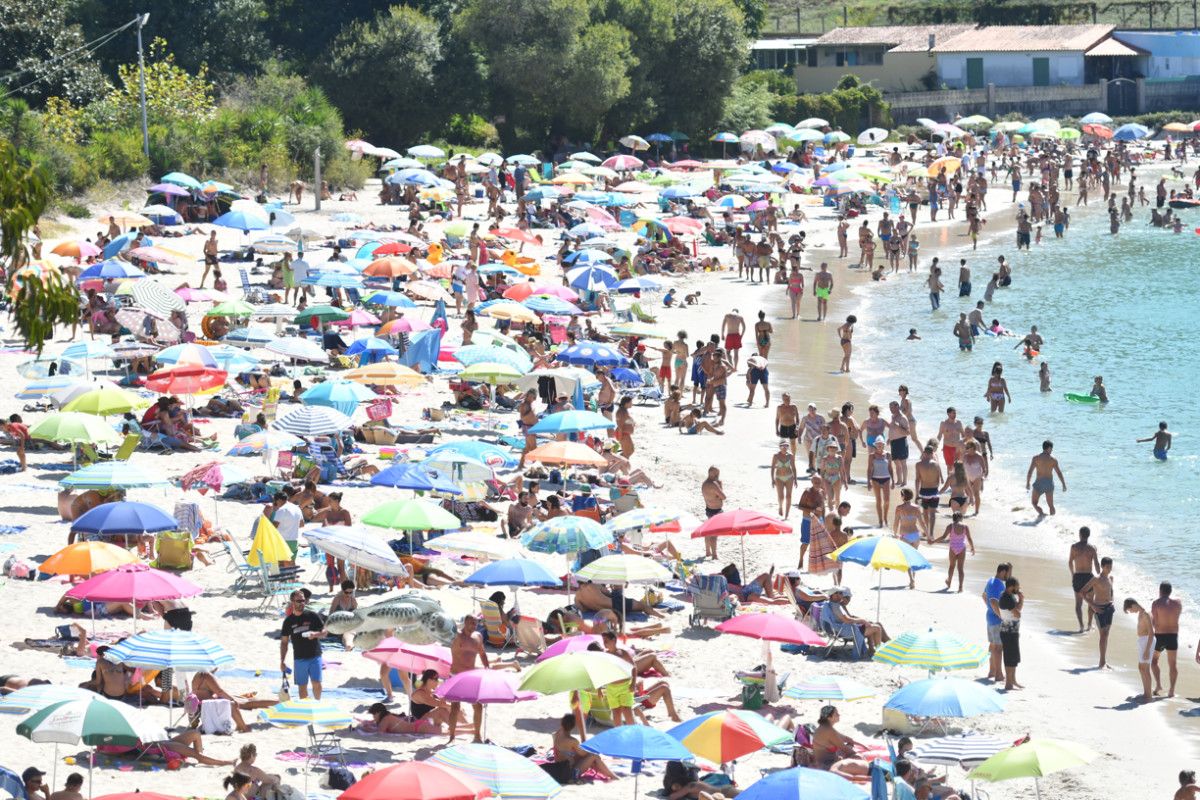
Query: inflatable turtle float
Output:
(412,617)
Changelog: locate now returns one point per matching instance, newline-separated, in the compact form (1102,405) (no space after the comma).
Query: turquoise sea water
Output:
(1124,307)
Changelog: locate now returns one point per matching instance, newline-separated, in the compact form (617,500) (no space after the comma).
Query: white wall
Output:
(1010,69)
(1173,54)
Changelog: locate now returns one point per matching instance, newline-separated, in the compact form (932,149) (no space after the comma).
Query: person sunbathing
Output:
(187,745)
(74,606)
(567,750)
(663,549)
(761,589)
(425,705)
(590,597)
(259,779)
(205,687)
(831,748)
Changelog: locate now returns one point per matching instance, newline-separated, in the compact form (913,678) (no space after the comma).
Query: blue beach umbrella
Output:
(371,345)
(549,304)
(1095,118)
(342,395)
(413,177)
(1130,132)
(231,359)
(640,283)
(242,220)
(637,743)
(592,196)
(251,337)
(486,353)
(125,518)
(625,375)
(514,572)
(111,268)
(170,649)
(333,280)
(679,191)
(592,278)
(592,355)
(415,477)
(543,193)
(11,783)
(124,242)
(572,422)
(483,452)
(659,137)
(394,299)
(946,697)
(566,535)
(181,179)
(724,137)
(798,783)
(88,349)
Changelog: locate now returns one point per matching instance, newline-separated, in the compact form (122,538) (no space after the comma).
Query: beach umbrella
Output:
(591,354)
(483,353)
(243,220)
(273,243)
(250,337)
(267,545)
(483,686)
(1034,758)
(157,255)
(426,151)
(472,543)
(461,467)
(484,452)
(344,396)
(256,443)
(87,349)
(723,736)
(416,780)
(312,421)
(741,522)
(104,401)
(637,743)
(299,713)
(572,672)
(170,649)
(385,374)
(640,283)
(44,388)
(490,372)
(360,318)
(111,269)
(394,299)
(411,515)
(125,517)
(946,697)
(1094,118)
(771,628)
(155,297)
(566,535)
(973,121)
(12,784)
(86,558)
(36,697)
(571,421)
(111,475)
(639,518)
(416,477)
(829,687)
(356,546)
(414,658)
(231,359)
(508,775)
(798,783)
(187,353)
(513,572)
(231,308)
(576,643)
(806,135)
(622,163)
(213,475)
(880,553)
(872,135)
(549,304)
(297,348)
(931,650)
(964,749)
(133,583)
(186,379)
(566,453)
(1130,132)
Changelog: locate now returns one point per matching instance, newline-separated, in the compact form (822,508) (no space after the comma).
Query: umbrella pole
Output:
(743,540)
(878,594)
(54,767)
(1037,788)
(91,763)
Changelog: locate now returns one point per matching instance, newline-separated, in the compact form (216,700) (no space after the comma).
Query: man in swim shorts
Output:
(1164,615)
(732,328)
(1081,560)
(1145,643)
(787,421)
(928,481)
(714,503)
(757,373)
(823,289)
(1162,441)
(812,506)
(1099,595)
(1046,467)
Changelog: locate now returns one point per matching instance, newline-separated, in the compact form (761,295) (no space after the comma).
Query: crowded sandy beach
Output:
(525,477)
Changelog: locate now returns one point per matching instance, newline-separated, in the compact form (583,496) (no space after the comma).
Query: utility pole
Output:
(317,177)
(141,21)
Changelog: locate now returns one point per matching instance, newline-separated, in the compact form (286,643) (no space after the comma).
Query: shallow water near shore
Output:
(1118,306)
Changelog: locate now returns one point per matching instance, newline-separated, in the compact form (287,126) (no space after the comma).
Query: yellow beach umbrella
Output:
(386,373)
(268,541)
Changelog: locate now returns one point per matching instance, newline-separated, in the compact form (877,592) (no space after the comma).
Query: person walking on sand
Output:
(846,337)
(1164,614)
(1010,605)
(928,482)
(992,592)
(714,503)
(787,421)
(783,477)
(823,289)
(959,540)
(812,507)
(1081,560)
(1046,467)
(733,327)
(1162,441)
(1099,596)
(762,336)
(1145,644)
(882,476)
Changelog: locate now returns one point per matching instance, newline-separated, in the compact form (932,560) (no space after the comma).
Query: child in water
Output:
(1044,376)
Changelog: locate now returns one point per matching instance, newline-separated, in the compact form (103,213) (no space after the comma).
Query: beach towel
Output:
(819,561)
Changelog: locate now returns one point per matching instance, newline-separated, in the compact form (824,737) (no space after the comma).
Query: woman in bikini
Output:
(976,467)
(829,745)
(959,487)
(997,390)
(907,410)
(881,475)
(783,477)
(846,333)
(795,289)
(959,537)
(874,428)
(908,524)
(258,778)
(424,704)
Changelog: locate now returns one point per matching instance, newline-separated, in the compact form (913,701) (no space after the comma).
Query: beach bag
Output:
(285,691)
(341,779)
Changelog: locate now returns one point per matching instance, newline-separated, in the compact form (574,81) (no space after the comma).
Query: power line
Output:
(67,59)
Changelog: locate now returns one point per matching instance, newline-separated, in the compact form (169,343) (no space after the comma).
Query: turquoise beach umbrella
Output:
(342,395)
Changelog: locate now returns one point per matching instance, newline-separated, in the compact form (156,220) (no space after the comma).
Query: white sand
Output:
(1140,753)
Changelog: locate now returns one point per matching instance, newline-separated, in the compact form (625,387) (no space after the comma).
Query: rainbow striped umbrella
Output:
(722,736)
(298,713)
(507,774)
(168,649)
(931,650)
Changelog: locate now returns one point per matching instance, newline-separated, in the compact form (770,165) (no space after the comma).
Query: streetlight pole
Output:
(142,20)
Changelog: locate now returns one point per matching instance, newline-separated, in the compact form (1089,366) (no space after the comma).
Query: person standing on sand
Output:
(1145,645)
(846,336)
(898,433)
(714,503)
(1046,467)
(210,256)
(992,591)
(787,421)
(466,647)
(843,240)
(928,482)
(762,336)
(783,477)
(1081,560)
(733,327)
(822,290)
(1164,614)
(1010,605)
(1099,596)
(679,349)
(1162,441)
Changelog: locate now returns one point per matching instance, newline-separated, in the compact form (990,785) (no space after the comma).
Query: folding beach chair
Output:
(839,633)
(640,314)
(710,599)
(497,631)
(251,293)
(131,442)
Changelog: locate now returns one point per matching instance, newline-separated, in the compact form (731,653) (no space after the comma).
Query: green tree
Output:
(754,14)
(41,298)
(302,30)
(382,73)
(700,64)
(172,93)
(40,53)
(747,107)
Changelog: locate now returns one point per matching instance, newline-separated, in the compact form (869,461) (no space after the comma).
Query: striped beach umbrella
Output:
(624,569)
(156,297)
(43,388)
(298,713)
(965,749)
(35,698)
(639,518)
(170,649)
(829,687)
(507,774)
(112,475)
(566,535)
(722,736)
(931,650)
(312,421)
(93,721)
(256,443)
(472,543)
(87,349)
(11,783)
(483,353)
(297,349)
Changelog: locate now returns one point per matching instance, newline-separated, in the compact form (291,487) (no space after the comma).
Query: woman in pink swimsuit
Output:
(959,537)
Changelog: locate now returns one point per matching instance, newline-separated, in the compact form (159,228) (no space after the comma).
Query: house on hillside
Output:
(779,52)
(1172,55)
(892,59)
(1035,55)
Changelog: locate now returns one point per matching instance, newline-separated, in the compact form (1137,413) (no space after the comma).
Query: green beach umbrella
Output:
(412,515)
(323,313)
(572,672)
(1068,133)
(624,568)
(1035,758)
(490,372)
(641,329)
(106,400)
(73,427)
(230,308)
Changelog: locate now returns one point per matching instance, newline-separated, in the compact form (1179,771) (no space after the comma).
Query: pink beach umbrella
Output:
(623,163)
(483,686)
(358,318)
(414,658)
(191,294)
(133,583)
(771,628)
(569,644)
(757,205)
